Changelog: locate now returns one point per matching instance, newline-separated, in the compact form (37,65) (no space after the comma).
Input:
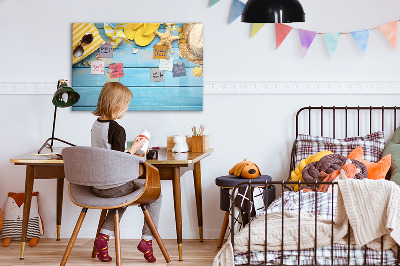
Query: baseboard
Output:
(246,87)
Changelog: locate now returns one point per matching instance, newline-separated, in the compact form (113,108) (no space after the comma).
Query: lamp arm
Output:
(54,126)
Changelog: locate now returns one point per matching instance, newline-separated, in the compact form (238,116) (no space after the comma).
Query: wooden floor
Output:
(50,252)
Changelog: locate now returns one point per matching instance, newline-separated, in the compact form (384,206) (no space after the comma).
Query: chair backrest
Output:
(92,166)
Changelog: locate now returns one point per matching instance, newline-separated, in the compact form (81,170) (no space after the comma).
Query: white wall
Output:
(35,44)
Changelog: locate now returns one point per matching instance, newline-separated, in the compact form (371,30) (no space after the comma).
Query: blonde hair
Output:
(112,99)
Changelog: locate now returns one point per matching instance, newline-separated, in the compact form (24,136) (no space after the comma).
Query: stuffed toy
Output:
(245,169)
(180,144)
(375,170)
(296,174)
(13,215)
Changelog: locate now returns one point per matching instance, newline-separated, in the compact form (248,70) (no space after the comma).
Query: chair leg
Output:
(154,230)
(117,239)
(223,229)
(73,237)
(101,222)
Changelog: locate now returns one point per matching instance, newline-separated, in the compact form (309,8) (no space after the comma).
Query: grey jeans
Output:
(154,208)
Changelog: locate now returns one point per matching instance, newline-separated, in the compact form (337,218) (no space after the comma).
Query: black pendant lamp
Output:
(273,11)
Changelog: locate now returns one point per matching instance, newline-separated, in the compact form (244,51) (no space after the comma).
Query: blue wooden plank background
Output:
(178,94)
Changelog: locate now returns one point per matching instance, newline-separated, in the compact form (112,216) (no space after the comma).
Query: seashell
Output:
(135,50)
(197,71)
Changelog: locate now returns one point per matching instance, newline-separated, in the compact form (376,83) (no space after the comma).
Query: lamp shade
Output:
(70,97)
(273,11)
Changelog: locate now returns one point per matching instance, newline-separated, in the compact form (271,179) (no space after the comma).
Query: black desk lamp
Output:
(64,97)
(273,11)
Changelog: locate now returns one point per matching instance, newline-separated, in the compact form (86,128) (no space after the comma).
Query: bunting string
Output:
(343,33)
(361,37)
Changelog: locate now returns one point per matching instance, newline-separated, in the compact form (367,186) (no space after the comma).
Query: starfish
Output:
(167,38)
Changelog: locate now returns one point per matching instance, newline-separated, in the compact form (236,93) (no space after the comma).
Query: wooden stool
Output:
(226,183)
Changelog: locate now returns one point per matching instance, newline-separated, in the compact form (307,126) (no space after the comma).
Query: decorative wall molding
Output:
(302,87)
(248,87)
(27,88)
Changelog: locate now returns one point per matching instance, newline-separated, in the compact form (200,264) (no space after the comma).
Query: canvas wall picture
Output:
(161,63)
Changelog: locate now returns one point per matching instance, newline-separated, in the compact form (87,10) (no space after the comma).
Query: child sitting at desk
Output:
(106,133)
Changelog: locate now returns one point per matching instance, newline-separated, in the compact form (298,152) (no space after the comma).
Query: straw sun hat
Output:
(191,42)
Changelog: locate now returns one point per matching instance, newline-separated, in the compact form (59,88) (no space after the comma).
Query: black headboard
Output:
(344,121)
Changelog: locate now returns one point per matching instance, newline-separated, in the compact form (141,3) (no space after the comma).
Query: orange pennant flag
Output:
(281,31)
(389,30)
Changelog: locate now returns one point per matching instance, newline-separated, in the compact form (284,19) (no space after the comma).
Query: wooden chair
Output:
(85,167)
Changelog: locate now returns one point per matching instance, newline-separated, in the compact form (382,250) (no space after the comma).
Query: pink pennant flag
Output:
(281,31)
(306,39)
(389,30)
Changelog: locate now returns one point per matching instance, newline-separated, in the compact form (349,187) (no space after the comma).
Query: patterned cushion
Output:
(372,144)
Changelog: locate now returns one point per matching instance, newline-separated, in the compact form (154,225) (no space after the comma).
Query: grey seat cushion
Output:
(83,196)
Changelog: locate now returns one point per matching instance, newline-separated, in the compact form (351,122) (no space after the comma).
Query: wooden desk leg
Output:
(27,206)
(60,190)
(176,183)
(199,204)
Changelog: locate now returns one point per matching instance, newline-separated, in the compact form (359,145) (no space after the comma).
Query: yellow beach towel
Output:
(80,29)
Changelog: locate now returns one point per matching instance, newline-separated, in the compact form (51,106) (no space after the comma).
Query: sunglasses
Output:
(78,50)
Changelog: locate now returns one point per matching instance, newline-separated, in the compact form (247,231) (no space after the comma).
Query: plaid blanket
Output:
(323,205)
(324,257)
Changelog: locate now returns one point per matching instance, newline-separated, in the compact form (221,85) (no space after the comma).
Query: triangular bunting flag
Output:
(255,28)
(306,39)
(389,30)
(237,8)
(332,41)
(213,2)
(281,31)
(361,37)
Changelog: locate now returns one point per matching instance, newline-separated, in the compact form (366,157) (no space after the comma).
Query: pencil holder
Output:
(200,143)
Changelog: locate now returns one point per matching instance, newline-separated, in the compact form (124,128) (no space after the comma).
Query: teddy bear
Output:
(245,169)
(13,215)
(180,144)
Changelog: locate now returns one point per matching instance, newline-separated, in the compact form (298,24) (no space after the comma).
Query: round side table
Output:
(228,182)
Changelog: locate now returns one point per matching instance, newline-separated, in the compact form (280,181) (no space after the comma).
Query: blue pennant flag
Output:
(332,41)
(213,2)
(237,9)
(361,37)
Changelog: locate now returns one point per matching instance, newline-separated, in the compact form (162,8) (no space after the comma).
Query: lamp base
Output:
(50,146)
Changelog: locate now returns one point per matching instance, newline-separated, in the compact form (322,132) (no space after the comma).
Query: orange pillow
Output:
(375,170)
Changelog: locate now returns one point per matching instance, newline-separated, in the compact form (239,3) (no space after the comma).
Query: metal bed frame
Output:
(283,184)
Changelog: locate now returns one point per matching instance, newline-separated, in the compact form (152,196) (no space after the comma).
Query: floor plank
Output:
(50,252)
